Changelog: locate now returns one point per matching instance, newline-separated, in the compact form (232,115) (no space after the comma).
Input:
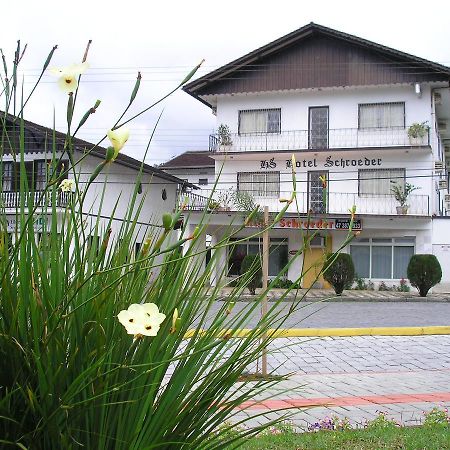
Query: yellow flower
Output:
(67,185)
(141,319)
(68,76)
(118,139)
(174,321)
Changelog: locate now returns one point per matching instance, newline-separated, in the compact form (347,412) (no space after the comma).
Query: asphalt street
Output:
(359,314)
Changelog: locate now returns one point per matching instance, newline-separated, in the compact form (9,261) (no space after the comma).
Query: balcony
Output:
(11,200)
(341,138)
(337,203)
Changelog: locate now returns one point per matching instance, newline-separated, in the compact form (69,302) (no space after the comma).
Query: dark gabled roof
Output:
(233,76)
(36,141)
(190,160)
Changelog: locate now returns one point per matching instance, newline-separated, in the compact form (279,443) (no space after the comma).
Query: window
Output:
(37,173)
(379,181)
(203,181)
(260,121)
(382,257)
(278,255)
(259,184)
(381,115)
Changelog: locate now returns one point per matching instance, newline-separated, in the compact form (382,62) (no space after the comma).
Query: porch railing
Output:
(340,138)
(336,203)
(12,199)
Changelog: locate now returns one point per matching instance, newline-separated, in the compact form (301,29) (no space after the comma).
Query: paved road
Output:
(357,377)
(361,314)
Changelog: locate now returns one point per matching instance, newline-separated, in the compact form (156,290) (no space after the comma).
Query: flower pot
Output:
(402,210)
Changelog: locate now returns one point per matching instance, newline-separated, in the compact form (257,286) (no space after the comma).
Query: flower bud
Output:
(167,221)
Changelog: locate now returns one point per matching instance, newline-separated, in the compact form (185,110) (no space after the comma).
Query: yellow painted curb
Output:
(314,332)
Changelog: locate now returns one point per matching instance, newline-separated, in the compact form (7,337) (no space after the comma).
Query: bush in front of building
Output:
(339,271)
(424,272)
(252,272)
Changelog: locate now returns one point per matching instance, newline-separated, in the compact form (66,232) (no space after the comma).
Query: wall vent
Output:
(437,98)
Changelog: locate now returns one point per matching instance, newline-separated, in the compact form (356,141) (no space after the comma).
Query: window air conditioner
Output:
(442,184)
(447,198)
(438,166)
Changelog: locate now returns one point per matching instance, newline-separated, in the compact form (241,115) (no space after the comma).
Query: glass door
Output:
(318,191)
(318,127)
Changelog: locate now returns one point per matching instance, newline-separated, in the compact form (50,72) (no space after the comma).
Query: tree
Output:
(339,271)
(424,271)
(252,271)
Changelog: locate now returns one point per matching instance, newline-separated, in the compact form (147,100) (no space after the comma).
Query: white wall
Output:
(193,175)
(441,246)
(343,105)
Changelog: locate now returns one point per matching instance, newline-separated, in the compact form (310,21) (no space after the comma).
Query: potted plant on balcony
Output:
(226,199)
(417,131)
(224,136)
(401,194)
(244,201)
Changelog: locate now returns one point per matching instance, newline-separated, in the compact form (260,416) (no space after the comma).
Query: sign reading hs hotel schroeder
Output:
(329,161)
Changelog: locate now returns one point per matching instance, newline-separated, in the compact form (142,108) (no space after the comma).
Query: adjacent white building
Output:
(344,107)
(157,191)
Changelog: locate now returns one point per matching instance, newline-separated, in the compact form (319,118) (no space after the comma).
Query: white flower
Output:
(118,139)
(68,76)
(141,319)
(67,185)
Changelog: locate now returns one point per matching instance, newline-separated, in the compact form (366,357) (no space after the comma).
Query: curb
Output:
(334,332)
(375,331)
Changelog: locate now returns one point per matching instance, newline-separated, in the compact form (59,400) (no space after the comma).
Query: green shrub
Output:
(362,285)
(283,283)
(251,268)
(424,271)
(339,271)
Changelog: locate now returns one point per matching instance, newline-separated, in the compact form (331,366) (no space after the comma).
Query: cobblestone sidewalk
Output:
(357,377)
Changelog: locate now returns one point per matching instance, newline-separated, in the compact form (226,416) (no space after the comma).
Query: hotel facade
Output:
(360,119)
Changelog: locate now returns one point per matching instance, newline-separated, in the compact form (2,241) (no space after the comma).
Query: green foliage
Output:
(244,201)
(339,271)
(379,437)
(362,285)
(224,135)
(381,422)
(384,287)
(284,283)
(424,272)
(418,130)
(252,272)
(401,193)
(437,417)
(71,377)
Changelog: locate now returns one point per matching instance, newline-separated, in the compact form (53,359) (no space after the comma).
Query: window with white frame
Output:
(379,181)
(259,184)
(382,115)
(260,121)
(278,254)
(386,258)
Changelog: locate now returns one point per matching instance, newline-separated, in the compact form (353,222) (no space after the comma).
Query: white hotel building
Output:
(343,106)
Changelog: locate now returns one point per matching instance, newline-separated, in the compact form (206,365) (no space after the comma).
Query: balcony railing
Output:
(13,199)
(336,203)
(341,138)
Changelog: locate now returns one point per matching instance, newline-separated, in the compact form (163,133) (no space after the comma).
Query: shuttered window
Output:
(379,181)
(259,184)
(260,121)
(382,115)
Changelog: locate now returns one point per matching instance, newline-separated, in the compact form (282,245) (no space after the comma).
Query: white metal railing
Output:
(335,203)
(11,199)
(301,140)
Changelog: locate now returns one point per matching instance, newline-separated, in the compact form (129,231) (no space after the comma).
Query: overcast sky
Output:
(165,39)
